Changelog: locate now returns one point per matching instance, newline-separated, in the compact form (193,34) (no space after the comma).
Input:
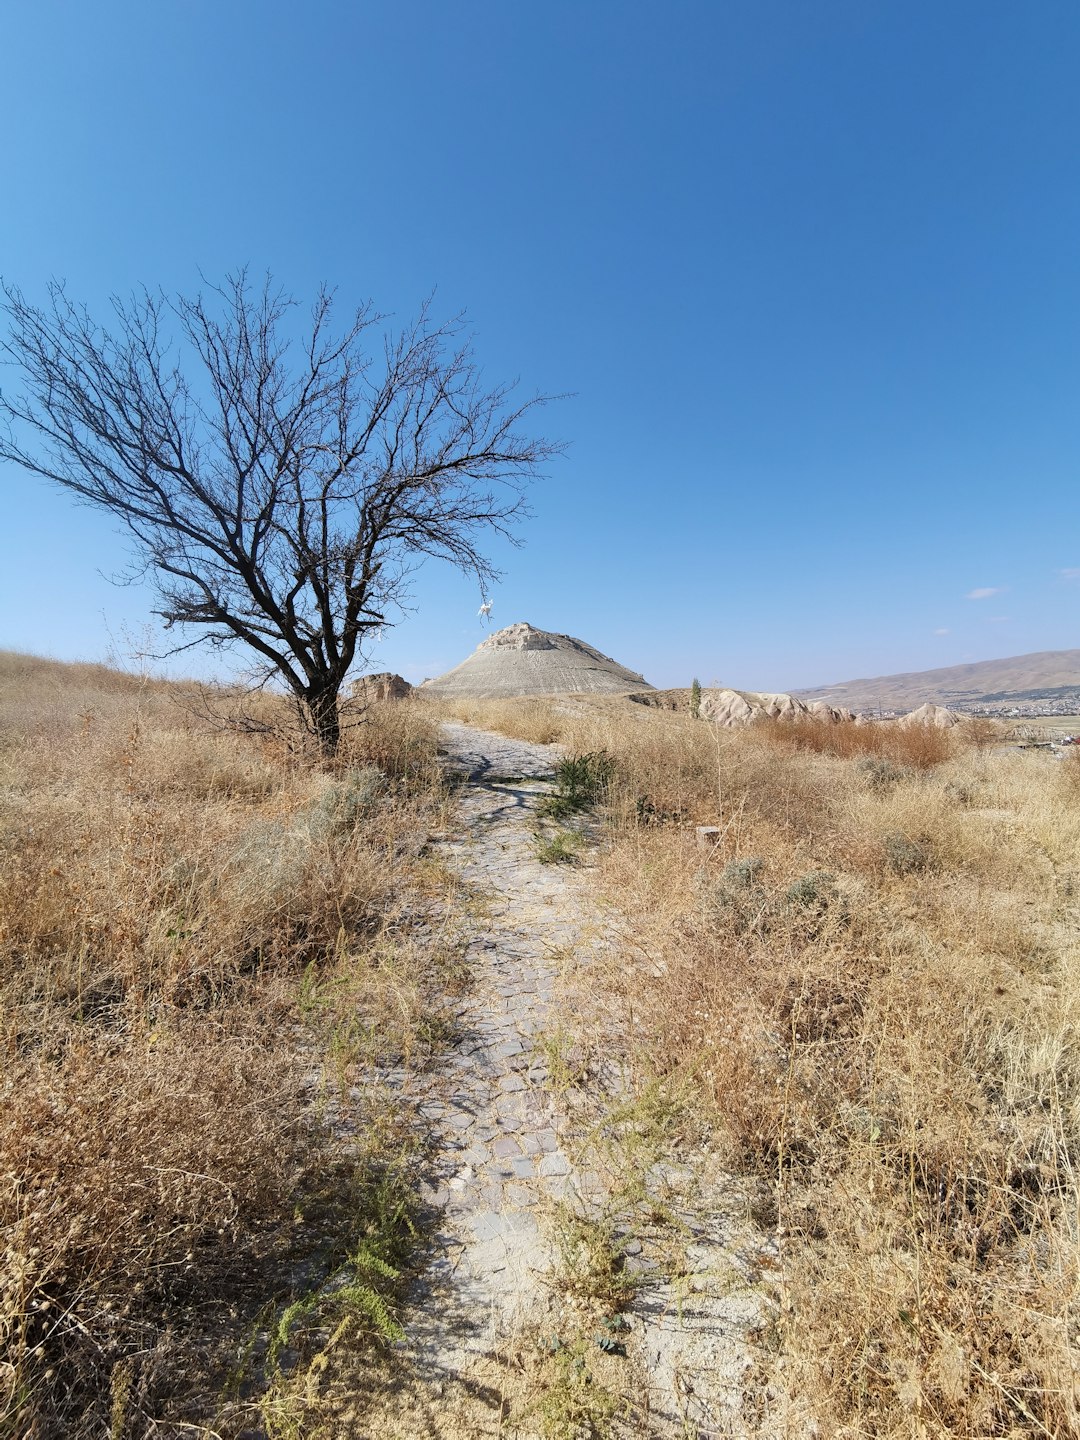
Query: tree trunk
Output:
(323,707)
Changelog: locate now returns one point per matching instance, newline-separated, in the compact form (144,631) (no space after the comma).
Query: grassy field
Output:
(205,940)
(209,943)
(872,983)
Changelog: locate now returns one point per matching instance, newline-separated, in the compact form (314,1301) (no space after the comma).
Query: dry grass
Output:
(533,720)
(194,926)
(873,981)
(920,747)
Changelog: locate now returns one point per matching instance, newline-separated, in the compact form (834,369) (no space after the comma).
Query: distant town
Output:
(1061,705)
(1025,704)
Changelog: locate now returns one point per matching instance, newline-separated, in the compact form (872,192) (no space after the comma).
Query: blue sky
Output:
(809,272)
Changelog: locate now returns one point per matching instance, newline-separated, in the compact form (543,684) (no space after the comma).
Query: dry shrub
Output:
(398,737)
(873,980)
(21,674)
(919,746)
(659,779)
(140,861)
(1070,774)
(538,721)
(921,818)
(184,912)
(178,760)
(914,1108)
(135,1178)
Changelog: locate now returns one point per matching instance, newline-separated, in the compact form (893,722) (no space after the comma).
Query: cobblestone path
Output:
(505,1148)
(498,1127)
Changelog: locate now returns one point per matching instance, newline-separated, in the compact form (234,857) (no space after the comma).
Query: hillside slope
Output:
(521,660)
(983,680)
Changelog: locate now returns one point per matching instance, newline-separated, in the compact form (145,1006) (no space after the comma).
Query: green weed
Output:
(575,1404)
(355,1303)
(581,782)
(564,1071)
(559,849)
(592,1260)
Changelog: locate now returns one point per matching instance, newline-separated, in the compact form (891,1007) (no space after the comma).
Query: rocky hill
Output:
(734,708)
(1048,675)
(521,660)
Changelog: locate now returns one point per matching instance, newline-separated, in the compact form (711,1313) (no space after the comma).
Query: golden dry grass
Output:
(194,927)
(873,982)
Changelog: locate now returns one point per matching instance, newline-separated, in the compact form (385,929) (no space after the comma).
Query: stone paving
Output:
(497,1126)
(502,1151)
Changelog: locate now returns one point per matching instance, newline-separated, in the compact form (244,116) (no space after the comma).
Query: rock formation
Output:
(936,716)
(383,686)
(834,714)
(522,660)
(735,708)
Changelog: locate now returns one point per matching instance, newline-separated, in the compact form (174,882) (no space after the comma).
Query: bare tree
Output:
(279,487)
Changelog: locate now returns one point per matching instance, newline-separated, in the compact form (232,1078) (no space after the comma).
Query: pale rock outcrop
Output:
(728,708)
(833,714)
(383,686)
(735,708)
(521,660)
(781,707)
(935,716)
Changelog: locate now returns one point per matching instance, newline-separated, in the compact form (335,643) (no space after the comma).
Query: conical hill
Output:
(522,660)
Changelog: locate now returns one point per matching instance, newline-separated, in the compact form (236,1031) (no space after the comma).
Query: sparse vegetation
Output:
(881,774)
(581,783)
(562,848)
(575,1404)
(593,1267)
(904,855)
(191,924)
(865,995)
(872,985)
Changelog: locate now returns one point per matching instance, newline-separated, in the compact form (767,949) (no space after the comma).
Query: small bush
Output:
(738,899)
(963,794)
(815,891)
(560,849)
(583,780)
(345,802)
(903,855)
(812,903)
(879,774)
(741,874)
(398,738)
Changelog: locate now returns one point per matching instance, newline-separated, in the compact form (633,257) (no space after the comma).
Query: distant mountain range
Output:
(1053,675)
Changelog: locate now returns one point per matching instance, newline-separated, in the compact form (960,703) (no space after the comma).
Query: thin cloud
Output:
(944,630)
(984,592)
(1071,573)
